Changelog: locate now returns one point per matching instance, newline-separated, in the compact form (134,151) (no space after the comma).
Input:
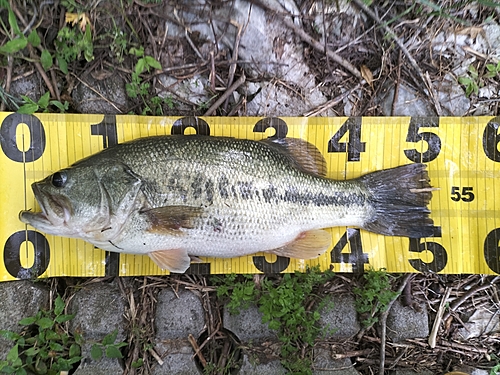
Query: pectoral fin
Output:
(171,219)
(176,260)
(307,245)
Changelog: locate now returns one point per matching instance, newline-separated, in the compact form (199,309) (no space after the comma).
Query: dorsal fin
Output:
(303,154)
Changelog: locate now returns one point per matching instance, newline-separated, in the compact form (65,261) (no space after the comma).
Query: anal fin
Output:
(308,245)
(176,260)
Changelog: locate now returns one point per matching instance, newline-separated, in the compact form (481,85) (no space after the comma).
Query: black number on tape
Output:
(432,140)
(263,265)
(276,123)
(491,139)
(12,258)
(354,147)
(356,257)
(466,195)
(36,138)
(438,251)
(107,129)
(198,124)
(492,250)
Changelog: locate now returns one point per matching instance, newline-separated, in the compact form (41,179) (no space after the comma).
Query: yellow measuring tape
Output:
(462,154)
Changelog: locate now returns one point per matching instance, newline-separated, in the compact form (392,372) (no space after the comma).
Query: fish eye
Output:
(59,179)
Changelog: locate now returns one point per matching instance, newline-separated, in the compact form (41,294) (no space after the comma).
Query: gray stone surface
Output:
(99,309)
(403,322)
(340,319)
(323,364)
(30,86)
(87,100)
(480,323)
(104,366)
(178,315)
(247,325)
(409,372)
(177,356)
(20,299)
(408,103)
(251,367)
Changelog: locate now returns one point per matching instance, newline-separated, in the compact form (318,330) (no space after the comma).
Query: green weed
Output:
(283,304)
(374,297)
(29,107)
(45,347)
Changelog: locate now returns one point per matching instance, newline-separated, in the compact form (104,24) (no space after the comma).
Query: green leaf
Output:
(13,21)
(64,318)
(138,363)
(152,62)
(110,338)
(31,352)
(34,39)
(46,60)
(13,46)
(96,352)
(113,352)
(56,347)
(63,64)
(13,353)
(140,66)
(74,350)
(9,335)
(139,52)
(44,103)
(62,107)
(45,323)
(28,109)
(32,319)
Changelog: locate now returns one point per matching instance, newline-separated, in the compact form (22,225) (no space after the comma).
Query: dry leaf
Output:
(366,74)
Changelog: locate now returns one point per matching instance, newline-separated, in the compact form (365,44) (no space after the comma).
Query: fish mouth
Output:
(56,211)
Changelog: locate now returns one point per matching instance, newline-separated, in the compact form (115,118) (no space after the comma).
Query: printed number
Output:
(107,129)
(433,141)
(36,138)
(438,251)
(12,249)
(466,195)
(492,250)
(280,127)
(491,139)
(263,265)
(198,124)
(356,257)
(354,147)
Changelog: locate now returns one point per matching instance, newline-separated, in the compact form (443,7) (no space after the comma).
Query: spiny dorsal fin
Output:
(308,245)
(176,260)
(171,219)
(303,154)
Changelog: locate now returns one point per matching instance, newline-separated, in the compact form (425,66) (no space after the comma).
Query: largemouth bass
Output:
(176,198)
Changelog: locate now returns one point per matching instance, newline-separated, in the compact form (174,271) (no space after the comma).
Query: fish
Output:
(180,197)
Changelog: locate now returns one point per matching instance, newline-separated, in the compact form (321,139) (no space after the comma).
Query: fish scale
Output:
(176,197)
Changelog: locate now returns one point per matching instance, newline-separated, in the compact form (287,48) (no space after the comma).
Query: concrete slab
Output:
(339,321)
(247,325)
(177,356)
(403,322)
(179,315)
(20,299)
(99,311)
(324,364)
(250,367)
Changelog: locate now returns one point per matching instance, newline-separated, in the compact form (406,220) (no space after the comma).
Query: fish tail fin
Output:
(400,197)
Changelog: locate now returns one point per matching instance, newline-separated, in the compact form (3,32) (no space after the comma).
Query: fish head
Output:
(88,201)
